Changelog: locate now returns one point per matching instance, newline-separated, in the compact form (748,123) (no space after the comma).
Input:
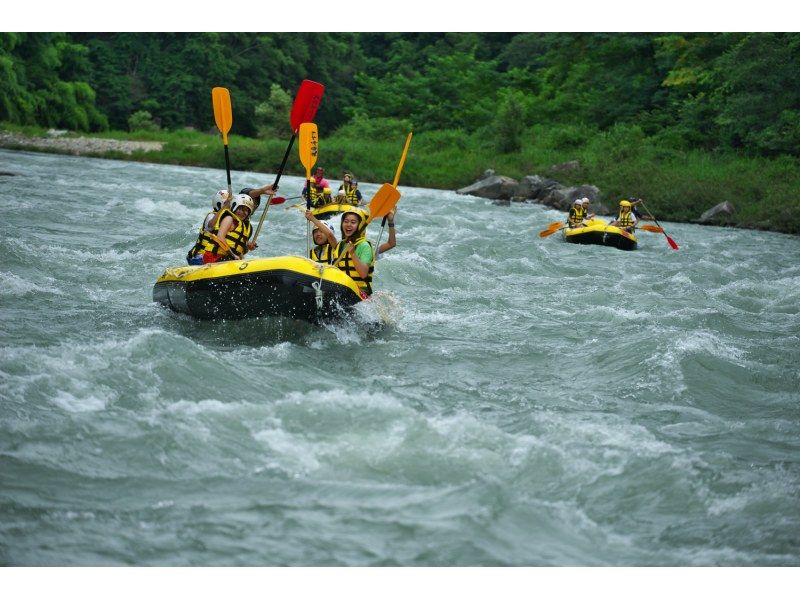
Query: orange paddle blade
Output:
(384,200)
(652,228)
(223,116)
(554,227)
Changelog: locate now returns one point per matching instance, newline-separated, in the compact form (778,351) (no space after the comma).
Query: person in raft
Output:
(317,194)
(324,240)
(348,190)
(220,200)
(231,235)
(256,192)
(585,206)
(576,214)
(626,218)
(354,253)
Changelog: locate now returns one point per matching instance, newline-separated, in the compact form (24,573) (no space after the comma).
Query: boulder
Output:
(562,198)
(492,187)
(534,187)
(722,213)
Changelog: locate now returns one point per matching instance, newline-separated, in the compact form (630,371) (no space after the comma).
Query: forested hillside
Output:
(730,91)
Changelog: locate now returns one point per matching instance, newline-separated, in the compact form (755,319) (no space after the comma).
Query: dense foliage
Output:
(723,91)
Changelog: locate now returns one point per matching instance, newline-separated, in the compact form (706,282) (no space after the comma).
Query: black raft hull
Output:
(290,286)
(599,233)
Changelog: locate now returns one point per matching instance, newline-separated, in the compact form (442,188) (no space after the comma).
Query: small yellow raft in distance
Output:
(332,209)
(290,286)
(598,232)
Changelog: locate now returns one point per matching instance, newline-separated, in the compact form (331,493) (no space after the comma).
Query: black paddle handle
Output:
(228,167)
(285,158)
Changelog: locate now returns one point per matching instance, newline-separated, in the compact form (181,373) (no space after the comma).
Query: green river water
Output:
(530,402)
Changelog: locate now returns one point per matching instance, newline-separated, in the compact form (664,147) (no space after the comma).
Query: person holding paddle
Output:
(324,240)
(231,235)
(257,192)
(626,218)
(354,253)
(576,214)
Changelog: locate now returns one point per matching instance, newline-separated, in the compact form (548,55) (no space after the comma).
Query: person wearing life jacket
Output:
(626,218)
(585,206)
(348,190)
(221,200)
(324,240)
(315,193)
(231,234)
(354,253)
(576,214)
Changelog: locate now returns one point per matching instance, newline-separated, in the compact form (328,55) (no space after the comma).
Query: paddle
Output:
(651,228)
(672,243)
(305,106)
(223,116)
(553,227)
(309,150)
(394,184)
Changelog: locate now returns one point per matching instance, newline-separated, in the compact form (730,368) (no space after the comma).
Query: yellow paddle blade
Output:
(308,146)
(384,200)
(402,161)
(221,100)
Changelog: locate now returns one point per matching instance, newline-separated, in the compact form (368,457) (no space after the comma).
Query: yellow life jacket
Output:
(236,238)
(203,238)
(625,219)
(317,197)
(350,194)
(321,253)
(576,215)
(346,264)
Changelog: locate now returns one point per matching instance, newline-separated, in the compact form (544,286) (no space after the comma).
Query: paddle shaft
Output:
(672,243)
(275,185)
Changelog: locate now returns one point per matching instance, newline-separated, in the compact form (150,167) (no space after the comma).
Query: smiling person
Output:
(354,253)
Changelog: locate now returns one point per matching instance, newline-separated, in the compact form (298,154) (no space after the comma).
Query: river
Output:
(530,402)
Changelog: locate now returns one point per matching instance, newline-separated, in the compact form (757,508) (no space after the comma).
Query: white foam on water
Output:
(170,209)
(15,286)
(89,402)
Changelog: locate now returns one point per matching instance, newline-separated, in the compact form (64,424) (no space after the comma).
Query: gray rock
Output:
(720,214)
(486,174)
(534,187)
(493,187)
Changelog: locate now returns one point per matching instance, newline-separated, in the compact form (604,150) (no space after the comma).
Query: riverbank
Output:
(679,185)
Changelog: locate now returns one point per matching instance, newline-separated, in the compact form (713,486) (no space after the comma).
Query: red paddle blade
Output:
(306,103)
(672,243)
(277,200)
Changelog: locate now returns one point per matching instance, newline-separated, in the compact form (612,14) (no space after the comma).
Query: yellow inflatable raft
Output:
(598,232)
(290,286)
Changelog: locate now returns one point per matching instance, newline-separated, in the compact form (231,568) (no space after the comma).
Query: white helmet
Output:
(218,199)
(578,202)
(243,200)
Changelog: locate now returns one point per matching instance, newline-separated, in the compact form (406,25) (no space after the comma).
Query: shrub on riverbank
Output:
(679,185)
